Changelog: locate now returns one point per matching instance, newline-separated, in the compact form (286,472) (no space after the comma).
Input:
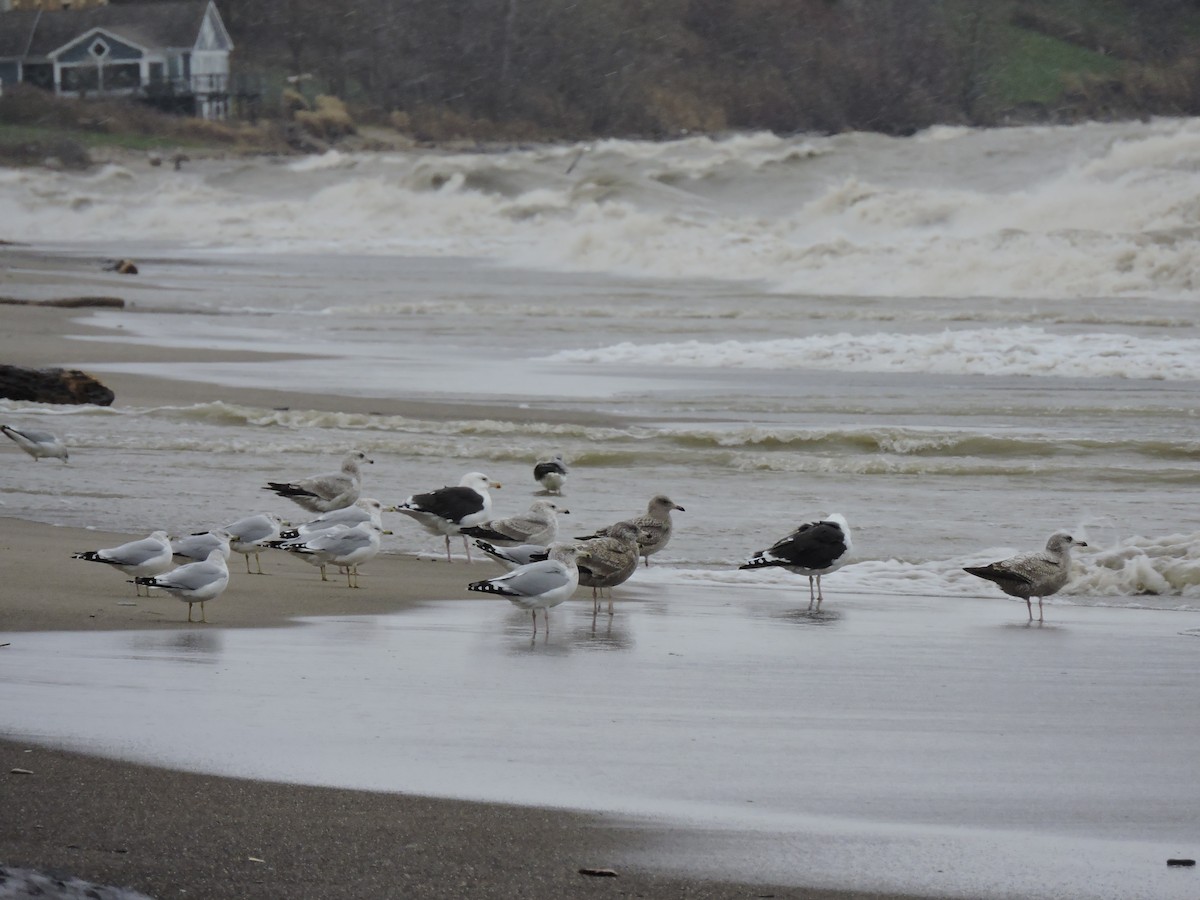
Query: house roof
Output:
(174,23)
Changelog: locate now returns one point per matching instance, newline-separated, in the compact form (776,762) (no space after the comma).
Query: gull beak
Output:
(387,532)
(495,484)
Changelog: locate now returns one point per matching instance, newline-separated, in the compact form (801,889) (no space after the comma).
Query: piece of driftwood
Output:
(52,386)
(68,302)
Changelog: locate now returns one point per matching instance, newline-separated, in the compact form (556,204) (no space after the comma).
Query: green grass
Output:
(13,135)
(1033,69)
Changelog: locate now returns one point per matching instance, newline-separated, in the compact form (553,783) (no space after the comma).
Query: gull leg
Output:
(247,555)
(1040,619)
(820,596)
(533,612)
(189,610)
(348,583)
(203,615)
(468,547)
(448,548)
(323,578)
(257,563)
(1029,606)
(811,596)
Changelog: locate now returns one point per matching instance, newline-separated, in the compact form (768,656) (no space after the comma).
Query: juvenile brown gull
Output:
(1033,574)
(612,560)
(814,549)
(654,528)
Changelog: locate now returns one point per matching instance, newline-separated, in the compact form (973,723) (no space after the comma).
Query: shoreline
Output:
(169,832)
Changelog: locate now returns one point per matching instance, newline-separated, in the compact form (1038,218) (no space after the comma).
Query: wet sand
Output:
(172,834)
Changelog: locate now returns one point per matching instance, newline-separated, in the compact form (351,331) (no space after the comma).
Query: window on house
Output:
(122,76)
(80,78)
(99,49)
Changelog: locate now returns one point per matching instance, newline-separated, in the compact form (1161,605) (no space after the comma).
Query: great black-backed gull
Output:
(251,533)
(38,444)
(148,556)
(654,528)
(814,549)
(196,582)
(448,510)
(538,585)
(1033,574)
(612,560)
(551,473)
(537,526)
(321,493)
(346,547)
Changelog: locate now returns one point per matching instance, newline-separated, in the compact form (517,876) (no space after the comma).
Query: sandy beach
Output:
(726,742)
(173,834)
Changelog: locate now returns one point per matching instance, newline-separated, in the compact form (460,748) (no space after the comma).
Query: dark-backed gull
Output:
(1033,574)
(321,493)
(538,585)
(448,510)
(551,473)
(814,549)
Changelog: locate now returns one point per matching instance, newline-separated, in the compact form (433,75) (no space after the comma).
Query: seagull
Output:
(551,473)
(38,444)
(321,493)
(1033,574)
(654,528)
(250,534)
(612,560)
(538,585)
(538,526)
(511,557)
(448,510)
(341,546)
(814,549)
(196,582)
(196,547)
(365,509)
(148,556)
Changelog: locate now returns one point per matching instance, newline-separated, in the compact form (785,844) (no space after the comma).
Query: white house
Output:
(173,53)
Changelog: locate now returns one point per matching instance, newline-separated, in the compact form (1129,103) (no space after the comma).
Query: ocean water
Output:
(962,341)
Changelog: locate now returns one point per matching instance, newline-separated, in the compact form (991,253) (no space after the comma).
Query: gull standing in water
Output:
(196,582)
(538,585)
(814,549)
(148,556)
(321,493)
(537,526)
(1033,574)
(447,510)
(38,444)
(551,473)
(611,560)
(654,528)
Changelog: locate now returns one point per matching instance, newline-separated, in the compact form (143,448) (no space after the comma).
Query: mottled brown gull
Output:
(654,528)
(1029,575)
(539,525)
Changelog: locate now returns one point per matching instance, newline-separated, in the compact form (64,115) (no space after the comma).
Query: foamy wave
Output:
(998,351)
(1099,210)
(1136,572)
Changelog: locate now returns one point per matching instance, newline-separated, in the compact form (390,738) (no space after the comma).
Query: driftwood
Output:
(68,302)
(52,386)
